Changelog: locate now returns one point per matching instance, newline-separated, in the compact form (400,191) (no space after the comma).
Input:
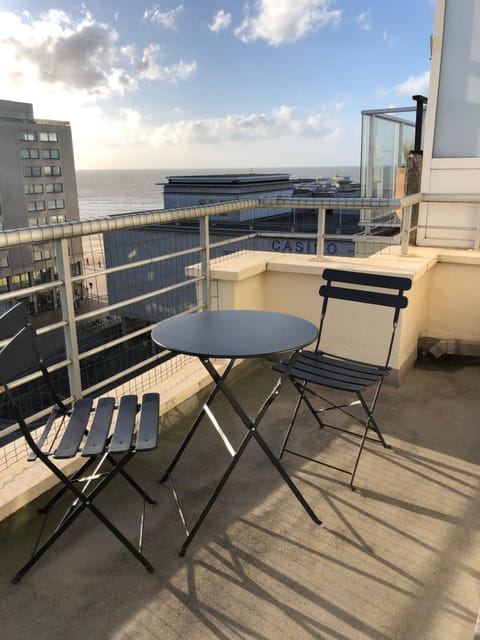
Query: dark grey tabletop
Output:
(234,334)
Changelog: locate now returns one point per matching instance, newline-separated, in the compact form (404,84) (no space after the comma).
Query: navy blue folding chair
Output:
(316,372)
(104,434)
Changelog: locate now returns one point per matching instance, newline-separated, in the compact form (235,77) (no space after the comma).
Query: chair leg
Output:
(64,526)
(131,481)
(63,490)
(302,396)
(369,424)
(81,502)
(292,422)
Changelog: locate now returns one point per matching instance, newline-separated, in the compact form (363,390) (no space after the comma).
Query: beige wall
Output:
(454,302)
(444,301)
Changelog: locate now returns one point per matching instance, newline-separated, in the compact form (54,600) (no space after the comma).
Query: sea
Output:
(105,192)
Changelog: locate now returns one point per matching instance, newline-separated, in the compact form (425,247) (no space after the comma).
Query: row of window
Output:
(39,205)
(50,187)
(34,154)
(36,172)
(23,280)
(33,136)
(35,222)
(42,254)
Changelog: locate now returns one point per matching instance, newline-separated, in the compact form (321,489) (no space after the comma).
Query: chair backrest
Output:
(20,354)
(13,320)
(365,288)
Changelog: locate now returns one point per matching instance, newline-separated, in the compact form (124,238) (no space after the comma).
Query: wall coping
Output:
(422,259)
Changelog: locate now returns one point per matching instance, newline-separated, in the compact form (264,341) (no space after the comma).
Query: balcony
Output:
(395,559)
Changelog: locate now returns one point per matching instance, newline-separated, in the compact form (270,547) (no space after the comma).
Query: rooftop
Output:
(396,559)
(229,178)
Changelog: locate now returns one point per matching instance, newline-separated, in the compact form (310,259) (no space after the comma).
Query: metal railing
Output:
(71,318)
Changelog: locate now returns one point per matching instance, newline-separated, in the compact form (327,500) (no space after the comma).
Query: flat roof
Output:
(229,178)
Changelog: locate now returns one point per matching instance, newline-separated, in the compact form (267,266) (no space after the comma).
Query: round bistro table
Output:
(232,335)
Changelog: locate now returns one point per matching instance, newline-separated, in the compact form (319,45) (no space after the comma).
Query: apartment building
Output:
(37,186)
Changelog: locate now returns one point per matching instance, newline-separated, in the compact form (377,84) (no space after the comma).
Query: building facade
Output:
(194,190)
(37,186)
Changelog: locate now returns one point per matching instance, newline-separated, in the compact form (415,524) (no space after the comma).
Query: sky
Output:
(214,83)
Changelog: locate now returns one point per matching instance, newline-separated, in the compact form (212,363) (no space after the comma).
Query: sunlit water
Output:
(105,192)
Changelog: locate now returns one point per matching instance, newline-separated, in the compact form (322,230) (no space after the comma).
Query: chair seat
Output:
(334,372)
(91,431)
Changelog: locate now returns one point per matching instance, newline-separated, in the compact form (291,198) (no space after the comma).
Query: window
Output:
(48,136)
(52,170)
(33,188)
(20,281)
(56,204)
(3,285)
(50,154)
(3,260)
(40,253)
(56,219)
(36,205)
(30,136)
(54,187)
(32,172)
(32,154)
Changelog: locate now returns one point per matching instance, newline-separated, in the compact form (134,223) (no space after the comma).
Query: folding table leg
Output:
(216,493)
(252,431)
(195,425)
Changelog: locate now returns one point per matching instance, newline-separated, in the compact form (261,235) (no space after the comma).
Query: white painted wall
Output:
(451,161)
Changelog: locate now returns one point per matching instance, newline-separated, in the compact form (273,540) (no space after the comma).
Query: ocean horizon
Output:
(103,192)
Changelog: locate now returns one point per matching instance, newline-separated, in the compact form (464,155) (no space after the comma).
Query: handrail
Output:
(93,226)
(60,233)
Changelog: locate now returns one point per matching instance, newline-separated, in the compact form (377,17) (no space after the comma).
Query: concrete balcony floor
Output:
(398,559)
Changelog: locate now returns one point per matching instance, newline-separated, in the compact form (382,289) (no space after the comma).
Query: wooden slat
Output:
(367,297)
(125,424)
(368,279)
(147,435)
(75,430)
(100,428)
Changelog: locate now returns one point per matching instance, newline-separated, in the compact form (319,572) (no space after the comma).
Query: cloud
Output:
(149,69)
(54,49)
(363,21)
(167,19)
(389,39)
(413,85)
(221,20)
(282,121)
(283,21)
(59,56)
(285,135)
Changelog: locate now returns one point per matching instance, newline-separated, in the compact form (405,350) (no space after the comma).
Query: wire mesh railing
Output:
(97,287)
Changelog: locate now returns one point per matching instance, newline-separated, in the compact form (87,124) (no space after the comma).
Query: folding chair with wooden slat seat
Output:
(313,370)
(105,434)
